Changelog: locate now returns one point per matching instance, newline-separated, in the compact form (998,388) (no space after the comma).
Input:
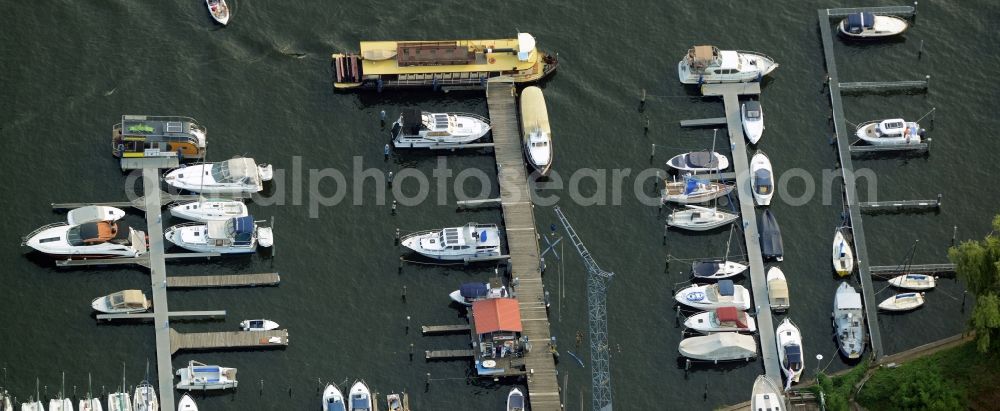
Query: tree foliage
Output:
(978,265)
(918,387)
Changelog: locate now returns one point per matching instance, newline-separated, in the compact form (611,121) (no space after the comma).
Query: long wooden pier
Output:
(741,166)
(225,280)
(900,205)
(522,245)
(448,354)
(158,281)
(176,315)
(224,340)
(445,329)
(887,270)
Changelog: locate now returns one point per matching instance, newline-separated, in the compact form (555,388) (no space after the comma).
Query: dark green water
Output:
(69,70)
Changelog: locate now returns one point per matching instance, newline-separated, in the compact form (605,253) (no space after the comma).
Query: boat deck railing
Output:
(25,239)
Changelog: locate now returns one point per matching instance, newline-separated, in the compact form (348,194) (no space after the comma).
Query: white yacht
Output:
(122,302)
(763,178)
(145,398)
(777,289)
(916,282)
(752,116)
(894,131)
(258,325)
(902,302)
(93,214)
(238,235)
(119,401)
(865,25)
(219,11)
(728,346)
(789,341)
(693,191)
(205,210)
(767,395)
(234,176)
(725,319)
(360,397)
(697,218)
(843,256)
(468,293)
(455,243)
(417,129)
(333,399)
(515,400)
(100,239)
(198,376)
(537,133)
(713,296)
(186,404)
(716,269)
(708,64)
(848,320)
(699,161)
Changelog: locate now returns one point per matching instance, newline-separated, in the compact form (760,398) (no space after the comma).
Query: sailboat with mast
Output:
(145,396)
(120,401)
(61,403)
(696,218)
(33,404)
(90,403)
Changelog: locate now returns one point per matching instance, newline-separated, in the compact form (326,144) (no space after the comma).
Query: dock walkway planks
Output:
(225,280)
(225,340)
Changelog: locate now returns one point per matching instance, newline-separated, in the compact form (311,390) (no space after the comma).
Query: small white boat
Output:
(360,397)
(32,406)
(777,289)
(455,243)
(767,395)
(397,402)
(122,302)
(789,341)
(693,191)
(258,325)
(713,296)
(697,218)
(5,402)
(708,64)
(902,302)
(219,11)
(119,401)
(716,269)
(198,376)
(186,404)
(848,320)
(210,210)
(894,131)
(238,235)
(515,400)
(916,282)
(763,178)
(468,293)
(333,399)
(843,256)
(100,239)
(145,398)
(537,133)
(865,25)
(725,319)
(90,404)
(719,347)
(752,116)
(699,161)
(417,129)
(238,175)
(93,214)
(60,404)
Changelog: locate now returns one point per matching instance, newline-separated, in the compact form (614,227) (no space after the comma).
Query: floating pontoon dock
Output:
(177,315)
(893,270)
(140,203)
(224,340)
(225,280)
(448,354)
(445,329)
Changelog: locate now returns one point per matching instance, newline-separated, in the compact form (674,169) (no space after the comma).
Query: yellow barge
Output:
(449,64)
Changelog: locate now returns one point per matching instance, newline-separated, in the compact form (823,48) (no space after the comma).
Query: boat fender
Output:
(121,147)
(492,60)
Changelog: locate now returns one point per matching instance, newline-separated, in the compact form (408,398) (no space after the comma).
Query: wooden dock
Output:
(174,315)
(899,11)
(225,280)
(522,245)
(136,163)
(143,260)
(140,203)
(704,122)
(901,205)
(893,270)
(879,86)
(448,354)
(158,279)
(226,340)
(445,329)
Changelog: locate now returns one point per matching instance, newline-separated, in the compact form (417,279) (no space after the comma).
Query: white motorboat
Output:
(789,341)
(763,178)
(515,400)
(697,218)
(219,11)
(455,243)
(767,395)
(468,293)
(187,404)
(894,131)
(865,25)
(417,129)
(537,133)
(699,161)
(122,302)
(145,398)
(360,397)
(93,214)
(333,399)
(843,256)
(916,282)
(752,116)
(238,175)
(100,239)
(771,245)
(902,302)
(693,191)
(848,320)
(198,376)
(719,347)
(258,325)
(716,269)
(708,64)
(237,235)
(777,289)
(210,210)
(713,296)
(119,401)
(60,404)
(725,319)
(397,402)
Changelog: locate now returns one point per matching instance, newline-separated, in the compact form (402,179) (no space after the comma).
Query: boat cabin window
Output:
(48,240)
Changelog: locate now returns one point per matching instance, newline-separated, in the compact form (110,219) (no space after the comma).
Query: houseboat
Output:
(158,136)
(496,331)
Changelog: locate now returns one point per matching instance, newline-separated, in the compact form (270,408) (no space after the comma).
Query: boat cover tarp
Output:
(482,236)
(778,288)
(752,109)
(762,181)
(497,314)
(856,22)
(731,315)
(473,290)
(770,236)
(89,214)
(726,288)
(793,355)
(243,226)
(916,277)
(240,168)
(701,159)
(134,297)
(721,346)
(692,185)
(334,405)
(704,268)
(534,114)
(359,403)
(848,298)
(90,231)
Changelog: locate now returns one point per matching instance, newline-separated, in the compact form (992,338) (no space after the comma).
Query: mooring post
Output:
(666,264)
(385,151)
(407,324)
(262,386)
(381,117)
(928,81)
(920,52)
(427,384)
(964,293)
(914,9)
(396,242)
(938,205)
(404,292)
(652,152)
(400,264)
(645,128)
(642,101)
(665,226)
(411,352)
(389,179)
(954,233)
(393,207)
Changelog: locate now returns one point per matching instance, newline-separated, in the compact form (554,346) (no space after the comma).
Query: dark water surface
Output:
(69,70)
